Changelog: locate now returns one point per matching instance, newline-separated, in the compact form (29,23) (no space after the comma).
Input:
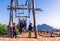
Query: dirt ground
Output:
(24,37)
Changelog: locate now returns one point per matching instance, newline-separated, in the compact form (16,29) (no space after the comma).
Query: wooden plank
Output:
(22,16)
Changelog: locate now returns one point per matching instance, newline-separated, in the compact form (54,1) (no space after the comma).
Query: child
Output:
(21,26)
(30,29)
(14,30)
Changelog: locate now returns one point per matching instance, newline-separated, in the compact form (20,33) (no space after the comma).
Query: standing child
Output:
(14,30)
(30,29)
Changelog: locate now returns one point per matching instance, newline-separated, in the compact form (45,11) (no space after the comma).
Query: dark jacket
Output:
(14,28)
(21,25)
(30,27)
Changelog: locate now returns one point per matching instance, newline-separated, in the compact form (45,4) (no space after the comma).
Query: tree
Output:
(3,29)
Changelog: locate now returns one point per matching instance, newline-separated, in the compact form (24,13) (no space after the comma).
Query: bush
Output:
(3,29)
(17,30)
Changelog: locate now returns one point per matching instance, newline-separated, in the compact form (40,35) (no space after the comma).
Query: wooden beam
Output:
(22,16)
(20,8)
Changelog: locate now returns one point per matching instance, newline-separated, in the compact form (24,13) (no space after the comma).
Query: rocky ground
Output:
(24,37)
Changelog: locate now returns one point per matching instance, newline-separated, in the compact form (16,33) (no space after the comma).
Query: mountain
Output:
(44,27)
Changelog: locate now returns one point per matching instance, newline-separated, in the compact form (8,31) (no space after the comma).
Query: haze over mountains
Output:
(45,27)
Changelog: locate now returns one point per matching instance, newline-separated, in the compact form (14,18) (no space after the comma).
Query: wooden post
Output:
(34,19)
(11,18)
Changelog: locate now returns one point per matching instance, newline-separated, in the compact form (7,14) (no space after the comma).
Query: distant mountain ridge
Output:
(44,27)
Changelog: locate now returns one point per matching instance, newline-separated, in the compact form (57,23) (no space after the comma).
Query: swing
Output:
(22,24)
(25,22)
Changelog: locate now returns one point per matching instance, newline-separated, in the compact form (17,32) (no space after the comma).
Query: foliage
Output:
(17,29)
(3,29)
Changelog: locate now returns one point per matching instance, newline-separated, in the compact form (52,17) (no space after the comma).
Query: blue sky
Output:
(50,14)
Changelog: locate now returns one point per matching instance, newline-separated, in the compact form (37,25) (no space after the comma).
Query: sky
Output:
(50,14)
